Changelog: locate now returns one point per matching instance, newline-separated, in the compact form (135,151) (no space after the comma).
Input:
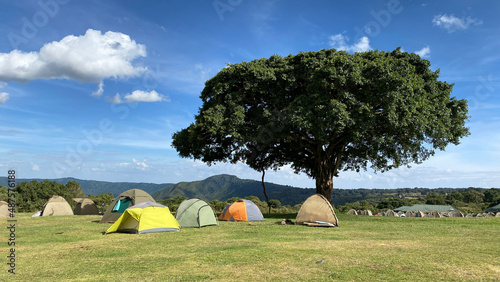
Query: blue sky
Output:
(95,89)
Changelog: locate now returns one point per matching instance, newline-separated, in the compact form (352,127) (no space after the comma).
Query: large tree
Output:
(325,112)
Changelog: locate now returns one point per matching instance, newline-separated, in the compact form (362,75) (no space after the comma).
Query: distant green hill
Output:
(223,187)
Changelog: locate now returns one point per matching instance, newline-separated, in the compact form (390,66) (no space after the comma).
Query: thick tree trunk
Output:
(326,168)
(324,185)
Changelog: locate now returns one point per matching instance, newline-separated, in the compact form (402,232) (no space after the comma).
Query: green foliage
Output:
(74,190)
(172,203)
(31,196)
(275,204)
(435,199)
(324,112)
(217,205)
(102,198)
(4,193)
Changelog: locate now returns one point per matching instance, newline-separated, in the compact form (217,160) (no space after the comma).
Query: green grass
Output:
(362,248)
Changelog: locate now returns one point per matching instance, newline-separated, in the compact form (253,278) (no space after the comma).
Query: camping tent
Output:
(56,205)
(4,209)
(121,203)
(85,206)
(146,217)
(317,211)
(390,212)
(365,212)
(195,213)
(433,214)
(241,210)
(352,211)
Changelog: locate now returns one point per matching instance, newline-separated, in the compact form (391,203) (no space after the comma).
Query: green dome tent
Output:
(195,213)
(121,203)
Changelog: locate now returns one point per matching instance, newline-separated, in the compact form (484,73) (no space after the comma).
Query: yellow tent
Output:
(147,217)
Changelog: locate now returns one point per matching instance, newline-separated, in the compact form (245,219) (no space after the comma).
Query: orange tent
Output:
(241,210)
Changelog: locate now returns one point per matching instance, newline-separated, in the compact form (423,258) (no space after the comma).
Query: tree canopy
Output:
(325,112)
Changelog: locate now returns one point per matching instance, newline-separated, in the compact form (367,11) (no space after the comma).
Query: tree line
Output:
(32,196)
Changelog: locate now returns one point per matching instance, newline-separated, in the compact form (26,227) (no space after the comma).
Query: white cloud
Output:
(140,96)
(35,167)
(3,97)
(452,23)
(140,165)
(99,91)
(91,58)
(116,99)
(424,52)
(339,42)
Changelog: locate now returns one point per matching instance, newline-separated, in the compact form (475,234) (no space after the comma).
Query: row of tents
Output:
(135,211)
(57,205)
(148,216)
(429,211)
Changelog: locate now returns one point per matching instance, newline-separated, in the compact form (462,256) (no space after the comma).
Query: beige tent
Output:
(4,209)
(126,199)
(56,205)
(85,206)
(317,211)
(352,211)
(365,212)
(391,213)
(455,214)
(433,214)
(411,214)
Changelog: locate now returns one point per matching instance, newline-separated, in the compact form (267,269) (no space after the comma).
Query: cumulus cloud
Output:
(3,97)
(424,52)
(89,58)
(452,23)
(339,42)
(140,165)
(139,96)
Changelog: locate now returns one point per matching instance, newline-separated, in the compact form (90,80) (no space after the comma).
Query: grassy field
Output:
(362,248)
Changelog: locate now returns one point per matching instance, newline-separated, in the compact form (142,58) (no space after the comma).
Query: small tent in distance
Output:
(4,209)
(146,217)
(122,202)
(241,210)
(317,211)
(56,206)
(85,206)
(195,213)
